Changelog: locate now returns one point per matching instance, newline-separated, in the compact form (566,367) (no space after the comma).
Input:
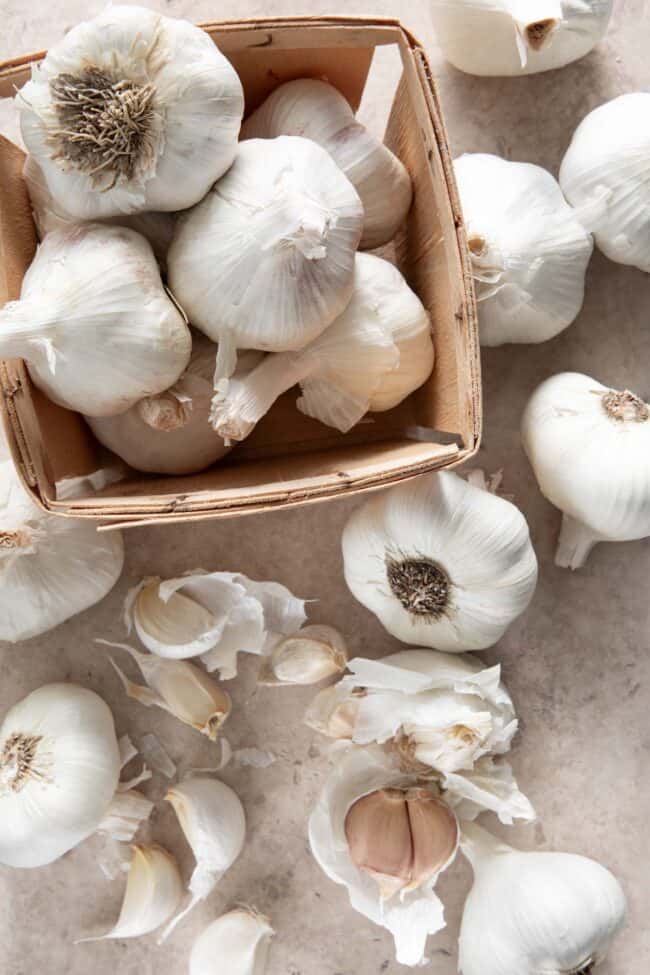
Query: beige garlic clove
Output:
(306,657)
(173,626)
(401,837)
(333,713)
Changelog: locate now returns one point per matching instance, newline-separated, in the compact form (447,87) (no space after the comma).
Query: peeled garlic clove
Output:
(307,657)
(236,943)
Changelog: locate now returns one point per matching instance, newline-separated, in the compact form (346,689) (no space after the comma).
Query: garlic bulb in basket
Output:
(236,943)
(94,323)
(517,37)
(605,175)
(589,447)
(535,912)
(50,567)
(440,562)
(266,260)
(316,110)
(376,353)
(59,769)
(529,250)
(116,109)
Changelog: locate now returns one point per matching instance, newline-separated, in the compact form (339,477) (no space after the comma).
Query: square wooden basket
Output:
(289,459)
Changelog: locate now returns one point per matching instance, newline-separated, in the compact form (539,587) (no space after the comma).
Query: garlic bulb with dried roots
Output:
(266,260)
(371,358)
(604,174)
(535,912)
(118,107)
(94,324)
(529,250)
(51,568)
(518,37)
(316,110)
(309,656)
(440,562)
(589,447)
(236,943)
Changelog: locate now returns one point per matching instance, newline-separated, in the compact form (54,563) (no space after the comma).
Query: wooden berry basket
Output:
(289,459)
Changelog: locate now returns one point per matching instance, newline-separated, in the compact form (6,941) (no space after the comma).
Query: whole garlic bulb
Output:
(266,260)
(604,174)
(59,769)
(371,358)
(440,562)
(316,110)
(518,37)
(236,943)
(51,568)
(589,447)
(529,250)
(535,912)
(116,109)
(94,323)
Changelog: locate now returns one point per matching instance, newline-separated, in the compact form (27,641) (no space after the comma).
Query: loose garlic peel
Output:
(237,943)
(306,657)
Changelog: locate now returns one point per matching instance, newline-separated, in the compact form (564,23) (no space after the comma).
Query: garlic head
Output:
(306,657)
(236,943)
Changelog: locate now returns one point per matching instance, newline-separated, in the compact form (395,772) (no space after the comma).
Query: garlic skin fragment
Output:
(535,912)
(589,447)
(311,655)
(59,770)
(266,260)
(94,324)
(51,568)
(236,943)
(528,248)
(604,174)
(517,37)
(316,110)
(440,562)
(115,110)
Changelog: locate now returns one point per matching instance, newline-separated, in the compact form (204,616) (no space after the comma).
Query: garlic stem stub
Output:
(309,656)
(316,110)
(440,562)
(115,110)
(535,912)
(266,260)
(94,324)
(528,248)
(237,943)
(589,447)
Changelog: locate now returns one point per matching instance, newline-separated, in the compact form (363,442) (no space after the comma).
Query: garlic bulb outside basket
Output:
(605,174)
(116,109)
(316,110)
(529,250)
(589,447)
(94,323)
(518,37)
(440,562)
(236,943)
(535,912)
(266,260)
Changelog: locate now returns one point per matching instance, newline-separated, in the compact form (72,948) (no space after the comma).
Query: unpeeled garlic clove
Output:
(307,657)
(334,711)
(237,943)
(170,623)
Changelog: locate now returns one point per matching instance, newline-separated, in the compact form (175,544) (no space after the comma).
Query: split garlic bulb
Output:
(59,769)
(116,109)
(604,174)
(589,447)
(528,249)
(51,568)
(518,37)
(535,912)
(236,943)
(93,321)
(371,358)
(266,260)
(316,110)
(440,562)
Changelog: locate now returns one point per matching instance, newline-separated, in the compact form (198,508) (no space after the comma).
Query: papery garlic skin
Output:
(59,769)
(266,260)
(51,568)
(316,110)
(604,174)
(518,37)
(589,447)
(236,943)
(535,912)
(117,108)
(309,656)
(528,249)
(94,323)
(440,562)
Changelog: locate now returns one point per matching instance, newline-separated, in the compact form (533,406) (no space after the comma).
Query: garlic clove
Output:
(237,943)
(334,712)
(311,655)
(175,626)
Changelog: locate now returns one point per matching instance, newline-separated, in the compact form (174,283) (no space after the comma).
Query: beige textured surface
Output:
(577,664)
